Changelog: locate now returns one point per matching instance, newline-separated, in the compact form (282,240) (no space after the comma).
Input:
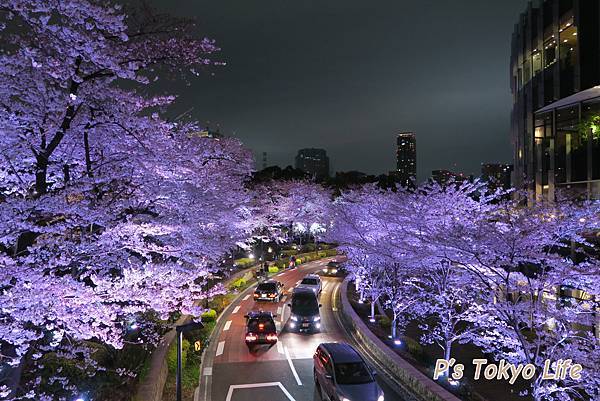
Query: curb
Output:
(402,373)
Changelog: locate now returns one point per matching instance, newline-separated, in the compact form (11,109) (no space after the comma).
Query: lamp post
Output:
(180,330)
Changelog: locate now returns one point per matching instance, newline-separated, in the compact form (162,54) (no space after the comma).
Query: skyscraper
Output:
(314,162)
(406,158)
(555,69)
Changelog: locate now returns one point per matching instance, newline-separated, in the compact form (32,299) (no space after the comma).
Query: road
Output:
(282,372)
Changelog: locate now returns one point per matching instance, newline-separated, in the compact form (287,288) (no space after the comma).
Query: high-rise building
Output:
(442,177)
(406,158)
(313,162)
(497,174)
(555,121)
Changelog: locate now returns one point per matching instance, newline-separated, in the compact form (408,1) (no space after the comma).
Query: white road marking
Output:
(256,385)
(280,310)
(287,355)
(220,348)
(246,297)
(208,371)
(284,299)
(279,347)
(227,325)
(236,309)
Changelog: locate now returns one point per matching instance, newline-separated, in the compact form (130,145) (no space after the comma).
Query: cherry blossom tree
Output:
(109,210)
(489,271)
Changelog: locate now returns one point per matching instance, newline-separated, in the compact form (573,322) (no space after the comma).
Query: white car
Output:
(312,282)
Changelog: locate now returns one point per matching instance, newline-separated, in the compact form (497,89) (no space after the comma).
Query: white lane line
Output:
(227,325)
(246,297)
(220,348)
(287,355)
(255,385)
(236,309)
(284,299)
(208,371)
(280,310)
(279,347)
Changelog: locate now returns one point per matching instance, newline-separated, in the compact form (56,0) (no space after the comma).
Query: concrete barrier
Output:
(406,374)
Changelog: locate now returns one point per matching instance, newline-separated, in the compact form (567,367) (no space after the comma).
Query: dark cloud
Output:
(346,75)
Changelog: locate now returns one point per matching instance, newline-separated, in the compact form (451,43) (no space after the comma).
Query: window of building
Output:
(527,70)
(550,47)
(537,61)
(590,124)
(567,43)
(571,147)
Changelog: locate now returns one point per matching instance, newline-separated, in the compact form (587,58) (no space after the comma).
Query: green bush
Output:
(273,269)
(172,355)
(244,262)
(238,284)
(385,322)
(209,316)
(414,348)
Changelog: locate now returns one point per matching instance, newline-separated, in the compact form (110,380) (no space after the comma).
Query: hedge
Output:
(172,355)
(273,269)
(209,316)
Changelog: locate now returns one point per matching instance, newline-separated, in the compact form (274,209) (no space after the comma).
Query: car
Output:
(311,282)
(334,268)
(340,373)
(304,307)
(260,329)
(270,290)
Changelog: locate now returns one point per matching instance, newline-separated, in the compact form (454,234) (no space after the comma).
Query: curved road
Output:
(282,372)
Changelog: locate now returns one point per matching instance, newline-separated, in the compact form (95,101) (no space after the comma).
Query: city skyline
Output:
(356,78)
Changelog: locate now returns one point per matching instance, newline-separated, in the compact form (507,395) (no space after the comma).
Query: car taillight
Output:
(261,326)
(251,337)
(272,295)
(272,337)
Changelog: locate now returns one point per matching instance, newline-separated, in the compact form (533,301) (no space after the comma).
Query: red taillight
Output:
(272,337)
(272,295)
(251,337)
(261,326)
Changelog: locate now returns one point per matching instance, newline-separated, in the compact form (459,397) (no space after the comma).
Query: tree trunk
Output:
(41,170)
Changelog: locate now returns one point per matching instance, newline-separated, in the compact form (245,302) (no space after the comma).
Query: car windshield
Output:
(352,373)
(267,287)
(310,281)
(304,304)
(261,325)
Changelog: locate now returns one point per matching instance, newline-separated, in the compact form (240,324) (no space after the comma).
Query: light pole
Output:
(180,330)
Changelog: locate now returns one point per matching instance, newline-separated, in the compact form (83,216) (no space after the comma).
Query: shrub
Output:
(385,322)
(289,252)
(172,355)
(273,269)
(209,316)
(243,263)
(414,348)
(238,284)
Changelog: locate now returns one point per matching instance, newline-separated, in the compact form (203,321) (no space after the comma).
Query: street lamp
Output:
(180,330)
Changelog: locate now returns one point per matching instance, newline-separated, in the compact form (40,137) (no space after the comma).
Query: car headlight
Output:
(316,318)
(380,398)
(294,318)
(344,399)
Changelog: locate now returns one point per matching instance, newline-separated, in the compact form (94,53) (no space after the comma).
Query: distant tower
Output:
(406,158)
(314,162)
(264,160)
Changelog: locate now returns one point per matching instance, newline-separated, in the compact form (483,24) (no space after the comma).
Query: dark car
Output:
(270,290)
(305,314)
(260,329)
(340,373)
(334,268)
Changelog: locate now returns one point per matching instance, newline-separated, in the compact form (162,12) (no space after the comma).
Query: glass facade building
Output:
(555,71)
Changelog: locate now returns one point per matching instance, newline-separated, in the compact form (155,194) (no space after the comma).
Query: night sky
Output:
(348,75)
